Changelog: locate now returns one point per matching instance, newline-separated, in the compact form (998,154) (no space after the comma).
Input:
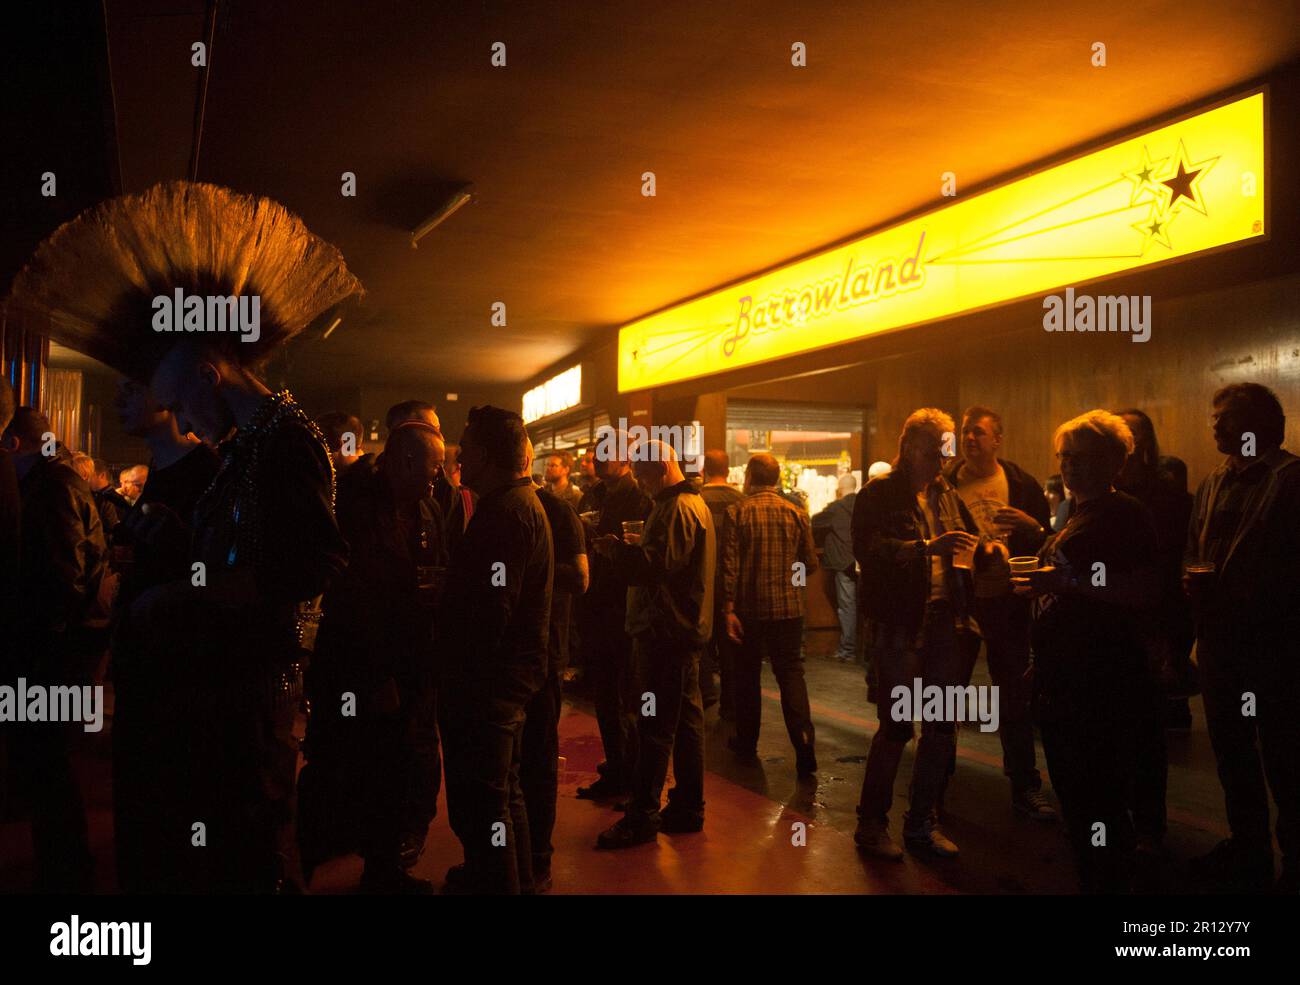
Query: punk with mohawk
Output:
(92,284)
(223,637)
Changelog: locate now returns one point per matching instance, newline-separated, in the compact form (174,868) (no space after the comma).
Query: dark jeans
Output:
(942,659)
(148,765)
(616,704)
(481,712)
(424,766)
(1005,622)
(781,640)
(242,755)
(846,608)
(1232,665)
(1151,768)
(722,655)
(400,773)
(1091,766)
(539,770)
(670,672)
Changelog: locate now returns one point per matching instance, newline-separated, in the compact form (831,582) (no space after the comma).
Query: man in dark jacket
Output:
(719,495)
(60,632)
(833,528)
(372,744)
(10,526)
(603,612)
(907,528)
(540,746)
(1246,528)
(1008,505)
(492,647)
(671,568)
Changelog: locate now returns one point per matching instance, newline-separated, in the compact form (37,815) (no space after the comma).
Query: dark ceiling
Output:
(756,161)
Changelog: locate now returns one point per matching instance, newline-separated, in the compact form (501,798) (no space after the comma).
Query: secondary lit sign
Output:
(556,394)
(1184,188)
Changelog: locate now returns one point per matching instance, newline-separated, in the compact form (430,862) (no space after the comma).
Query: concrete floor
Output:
(750,842)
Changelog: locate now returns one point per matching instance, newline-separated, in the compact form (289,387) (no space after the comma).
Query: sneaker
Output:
(1232,867)
(929,841)
(874,840)
(680,822)
(1032,804)
(624,834)
(602,789)
(412,847)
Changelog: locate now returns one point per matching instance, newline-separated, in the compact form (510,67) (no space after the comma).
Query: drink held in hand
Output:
(965,557)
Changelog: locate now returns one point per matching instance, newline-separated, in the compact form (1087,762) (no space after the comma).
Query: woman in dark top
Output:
(1091,683)
(1169,631)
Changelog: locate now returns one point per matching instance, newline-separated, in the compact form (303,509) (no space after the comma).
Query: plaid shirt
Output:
(766,534)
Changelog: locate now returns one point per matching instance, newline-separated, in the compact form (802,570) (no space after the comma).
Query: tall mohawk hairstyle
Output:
(91,284)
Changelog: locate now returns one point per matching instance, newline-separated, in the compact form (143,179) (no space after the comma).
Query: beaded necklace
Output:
(244,453)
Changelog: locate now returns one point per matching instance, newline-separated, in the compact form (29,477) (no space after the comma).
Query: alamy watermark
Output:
(954,703)
(179,312)
(106,939)
(37,703)
(1107,313)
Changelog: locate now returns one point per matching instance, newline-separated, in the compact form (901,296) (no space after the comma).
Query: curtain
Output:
(62,403)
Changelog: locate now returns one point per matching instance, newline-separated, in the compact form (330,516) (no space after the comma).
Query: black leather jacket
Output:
(887,532)
(62,554)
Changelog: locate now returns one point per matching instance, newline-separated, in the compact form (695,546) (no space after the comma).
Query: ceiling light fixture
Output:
(457,198)
(333,325)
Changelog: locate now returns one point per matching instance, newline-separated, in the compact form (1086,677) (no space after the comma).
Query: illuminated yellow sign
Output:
(1172,192)
(556,394)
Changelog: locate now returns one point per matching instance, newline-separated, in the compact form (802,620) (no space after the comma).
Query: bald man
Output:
(371,678)
(670,619)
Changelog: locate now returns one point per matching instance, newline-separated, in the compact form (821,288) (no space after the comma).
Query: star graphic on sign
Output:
(1155,227)
(1184,184)
(1144,177)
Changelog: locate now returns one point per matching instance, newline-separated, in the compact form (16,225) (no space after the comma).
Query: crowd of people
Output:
(421,605)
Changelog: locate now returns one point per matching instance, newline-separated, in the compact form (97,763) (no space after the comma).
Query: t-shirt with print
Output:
(984,495)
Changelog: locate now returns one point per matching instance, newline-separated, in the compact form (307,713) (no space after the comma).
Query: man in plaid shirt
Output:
(767,555)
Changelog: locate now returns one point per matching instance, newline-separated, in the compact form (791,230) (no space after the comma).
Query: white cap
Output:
(878,469)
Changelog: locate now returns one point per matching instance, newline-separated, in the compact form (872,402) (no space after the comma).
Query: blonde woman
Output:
(1091,681)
